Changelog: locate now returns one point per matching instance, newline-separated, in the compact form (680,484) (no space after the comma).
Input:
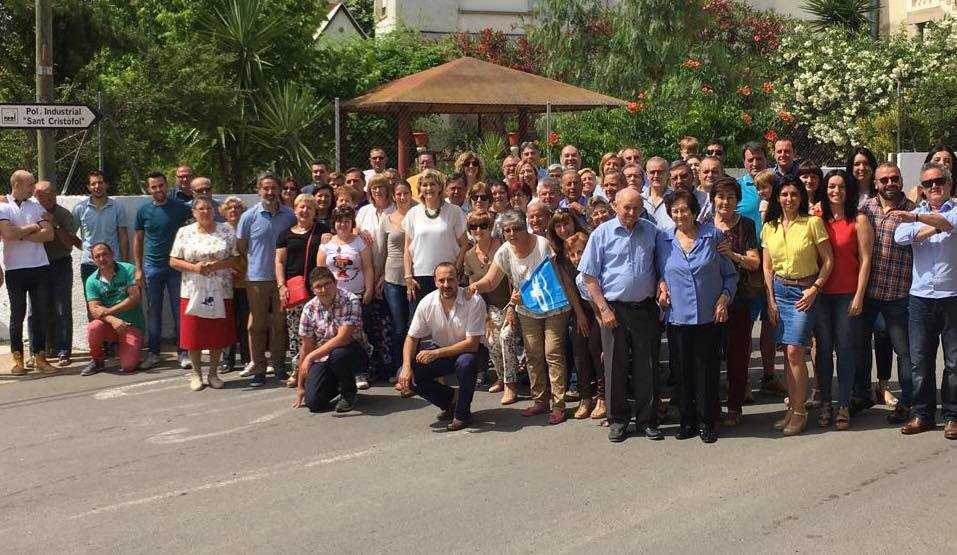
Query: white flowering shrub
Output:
(831,82)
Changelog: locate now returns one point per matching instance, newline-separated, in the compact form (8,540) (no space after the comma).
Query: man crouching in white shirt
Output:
(456,325)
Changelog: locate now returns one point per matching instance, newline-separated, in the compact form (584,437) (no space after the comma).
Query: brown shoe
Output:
(496,387)
(731,419)
(535,409)
(18,368)
(584,409)
(44,366)
(511,394)
(557,416)
(917,425)
(601,411)
(843,420)
(950,429)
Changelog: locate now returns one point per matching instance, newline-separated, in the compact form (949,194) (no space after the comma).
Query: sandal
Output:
(882,393)
(731,419)
(496,387)
(843,420)
(797,424)
(827,415)
(783,422)
(662,411)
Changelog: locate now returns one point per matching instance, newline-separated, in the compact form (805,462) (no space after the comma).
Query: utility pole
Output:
(46,138)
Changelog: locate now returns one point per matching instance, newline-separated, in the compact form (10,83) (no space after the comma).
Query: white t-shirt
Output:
(466,319)
(193,246)
(20,253)
(433,240)
(518,269)
(368,217)
(345,263)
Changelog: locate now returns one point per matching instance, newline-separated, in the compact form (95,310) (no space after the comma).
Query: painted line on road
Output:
(125,390)
(252,477)
(176,435)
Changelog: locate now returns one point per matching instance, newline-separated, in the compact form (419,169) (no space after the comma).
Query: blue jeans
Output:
(836,331)
(896,320)
(464,366)
(932,320)
(59,311)
(159,280)
(398,303)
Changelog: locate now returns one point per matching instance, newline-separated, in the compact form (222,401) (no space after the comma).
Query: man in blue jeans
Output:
(156,225)
(887,290)
(933,300)
(456,324)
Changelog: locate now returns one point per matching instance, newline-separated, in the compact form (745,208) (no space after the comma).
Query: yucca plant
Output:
(491,148)
(286,114)
(851,14)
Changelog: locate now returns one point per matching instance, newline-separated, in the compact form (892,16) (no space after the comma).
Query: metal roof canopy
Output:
(470,86)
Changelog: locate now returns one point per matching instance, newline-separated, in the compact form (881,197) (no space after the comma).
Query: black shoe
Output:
(346,403)
(281,373)
(707,433)
(456,424)
(859,405)
(617,432)
(899,415)
(258,380)
(93,367)
(653,432)
(685,432)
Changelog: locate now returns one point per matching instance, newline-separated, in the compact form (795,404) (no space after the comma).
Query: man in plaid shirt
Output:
(333,343)
(887,290)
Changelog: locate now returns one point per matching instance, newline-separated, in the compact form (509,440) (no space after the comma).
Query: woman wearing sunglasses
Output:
(471,165)
(503,347)
(480,198)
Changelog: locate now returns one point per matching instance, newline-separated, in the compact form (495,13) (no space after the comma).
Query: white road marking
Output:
(125,390)
(251,477)
(175,436)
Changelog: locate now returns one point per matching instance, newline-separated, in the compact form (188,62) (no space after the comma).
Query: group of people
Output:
(365,276)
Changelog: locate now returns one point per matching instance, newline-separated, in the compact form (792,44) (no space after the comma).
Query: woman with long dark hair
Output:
(840,304)
(859,166)
(794,242)
(810,175)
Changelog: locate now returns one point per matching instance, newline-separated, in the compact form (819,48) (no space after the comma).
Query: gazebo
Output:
(479,88)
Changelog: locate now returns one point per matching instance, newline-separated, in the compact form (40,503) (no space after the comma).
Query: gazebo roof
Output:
(471,86)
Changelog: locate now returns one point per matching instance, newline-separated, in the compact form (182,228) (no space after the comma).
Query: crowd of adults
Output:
(364,276)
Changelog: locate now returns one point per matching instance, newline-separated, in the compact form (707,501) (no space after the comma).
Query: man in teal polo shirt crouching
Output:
(113,299)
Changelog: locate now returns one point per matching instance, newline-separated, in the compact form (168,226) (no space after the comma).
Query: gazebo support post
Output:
(342,163)
(522,125)
(402,148)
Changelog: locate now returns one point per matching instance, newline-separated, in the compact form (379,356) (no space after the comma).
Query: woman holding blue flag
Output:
(542,297)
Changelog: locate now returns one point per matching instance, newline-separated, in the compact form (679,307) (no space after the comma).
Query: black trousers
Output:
(637,338)
(35,283)
(333,376)
(697,371)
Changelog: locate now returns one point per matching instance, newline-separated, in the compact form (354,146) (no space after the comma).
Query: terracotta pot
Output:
(421,139)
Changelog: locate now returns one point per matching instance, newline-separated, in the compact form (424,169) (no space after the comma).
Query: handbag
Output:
(205,304)
(296,285)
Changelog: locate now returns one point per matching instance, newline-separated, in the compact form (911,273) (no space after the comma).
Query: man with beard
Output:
(455,322)
(100,219)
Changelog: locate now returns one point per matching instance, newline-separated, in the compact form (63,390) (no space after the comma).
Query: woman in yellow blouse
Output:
(797,262)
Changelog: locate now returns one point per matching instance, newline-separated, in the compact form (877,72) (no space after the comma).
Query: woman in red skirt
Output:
(205,253)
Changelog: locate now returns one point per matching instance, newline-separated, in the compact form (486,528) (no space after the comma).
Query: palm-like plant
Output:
(245,29)
(286,113)
(852,14)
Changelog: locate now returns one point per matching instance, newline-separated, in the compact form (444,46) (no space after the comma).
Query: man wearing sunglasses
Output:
(202,187)
(887,290)
(716,149)
(933,300)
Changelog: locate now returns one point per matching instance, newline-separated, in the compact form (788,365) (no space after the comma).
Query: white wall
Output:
(130,204)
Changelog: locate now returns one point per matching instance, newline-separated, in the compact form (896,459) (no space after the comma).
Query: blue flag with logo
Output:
(542,292)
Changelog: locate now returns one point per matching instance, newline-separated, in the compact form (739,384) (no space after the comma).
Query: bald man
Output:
(202,187)
(24,227)
(60,286)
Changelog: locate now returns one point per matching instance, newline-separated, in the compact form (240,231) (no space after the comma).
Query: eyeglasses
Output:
(481,198)
(511,229)
(936,182)
(714,152)
(472,163)
(890,179)
(473,227)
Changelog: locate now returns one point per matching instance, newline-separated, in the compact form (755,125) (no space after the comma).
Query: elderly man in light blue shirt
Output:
(618,269)
(258,229)
(932,304)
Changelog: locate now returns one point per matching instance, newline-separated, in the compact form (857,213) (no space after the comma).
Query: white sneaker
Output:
(184,361)
(248,370)
(195,382)
(362,381)
(150,361)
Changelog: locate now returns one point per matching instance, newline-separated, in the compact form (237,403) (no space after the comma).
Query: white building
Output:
(339,25)
(434,18)
(912,15)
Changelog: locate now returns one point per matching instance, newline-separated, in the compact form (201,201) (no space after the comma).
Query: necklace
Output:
(432,215)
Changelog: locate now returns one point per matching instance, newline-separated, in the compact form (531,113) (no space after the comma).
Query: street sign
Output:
(47,116)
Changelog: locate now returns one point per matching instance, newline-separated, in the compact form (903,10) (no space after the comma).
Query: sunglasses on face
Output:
(480,198)
(714,152)
(290,189)
(936,182)
(890,179)
(472,163)
(473,227)
(202,191)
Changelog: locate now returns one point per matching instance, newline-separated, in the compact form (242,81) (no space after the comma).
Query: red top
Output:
(843,278)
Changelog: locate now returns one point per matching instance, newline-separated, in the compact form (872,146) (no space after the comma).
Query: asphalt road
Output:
(134,464)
